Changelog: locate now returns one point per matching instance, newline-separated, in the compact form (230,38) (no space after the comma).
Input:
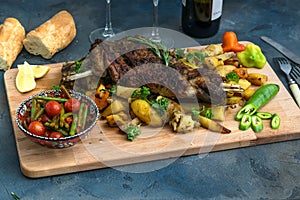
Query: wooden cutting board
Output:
(106,147)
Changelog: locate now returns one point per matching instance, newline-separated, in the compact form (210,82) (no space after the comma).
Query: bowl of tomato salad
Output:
(57,119)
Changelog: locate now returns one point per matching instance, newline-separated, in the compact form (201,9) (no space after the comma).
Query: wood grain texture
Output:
(106,147)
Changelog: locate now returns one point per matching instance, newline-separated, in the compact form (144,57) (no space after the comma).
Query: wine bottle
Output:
(201,18)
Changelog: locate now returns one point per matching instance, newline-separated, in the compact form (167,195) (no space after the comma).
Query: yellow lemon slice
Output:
(25,78)
(40,71)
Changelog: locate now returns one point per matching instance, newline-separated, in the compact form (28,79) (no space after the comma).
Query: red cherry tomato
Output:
(52,108)
(37,128)
(56,135)
(72,105)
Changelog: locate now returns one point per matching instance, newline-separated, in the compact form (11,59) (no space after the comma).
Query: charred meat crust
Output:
(133,64)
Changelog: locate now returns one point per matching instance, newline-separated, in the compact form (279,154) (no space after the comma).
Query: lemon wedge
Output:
(25,81)
(40,71)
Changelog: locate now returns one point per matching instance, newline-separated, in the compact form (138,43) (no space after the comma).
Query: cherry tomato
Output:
(69,120)
(52,108)
(37,128)
(72,105)
(56,135)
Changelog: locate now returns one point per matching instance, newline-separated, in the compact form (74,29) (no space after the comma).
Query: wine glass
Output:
(107,31)
(155,35)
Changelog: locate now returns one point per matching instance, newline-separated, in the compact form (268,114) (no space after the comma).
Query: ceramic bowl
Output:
(66,141)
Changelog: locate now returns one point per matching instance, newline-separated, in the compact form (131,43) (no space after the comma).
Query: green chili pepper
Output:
(256,124)
(275,121)
(261,97)
(252,56)
(264,115)
(245,122)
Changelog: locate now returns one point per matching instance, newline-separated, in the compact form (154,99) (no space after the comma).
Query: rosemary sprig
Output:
(156,47)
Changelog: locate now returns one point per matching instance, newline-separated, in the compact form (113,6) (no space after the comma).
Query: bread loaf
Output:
(51,36)
(12,34)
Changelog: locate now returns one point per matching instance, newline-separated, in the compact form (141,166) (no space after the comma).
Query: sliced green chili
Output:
(256,124)
(245,122)
(264,115)
(275,121)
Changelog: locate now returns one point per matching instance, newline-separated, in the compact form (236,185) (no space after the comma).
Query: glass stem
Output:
(155,32)
(108,31)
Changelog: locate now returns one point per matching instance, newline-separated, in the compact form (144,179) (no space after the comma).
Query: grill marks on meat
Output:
(133,64)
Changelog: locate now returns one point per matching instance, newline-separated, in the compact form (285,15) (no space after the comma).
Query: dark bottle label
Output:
(201,18)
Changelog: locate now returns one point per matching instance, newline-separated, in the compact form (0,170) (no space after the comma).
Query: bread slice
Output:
(51,36)
(12,34)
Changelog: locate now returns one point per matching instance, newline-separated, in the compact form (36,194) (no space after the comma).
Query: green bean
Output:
(33,109)
(60,100)
(80,114)
(61,119)
(39,113)
(74,125)
(85,111)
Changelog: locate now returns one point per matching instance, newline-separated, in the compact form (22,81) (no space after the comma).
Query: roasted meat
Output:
(132,64)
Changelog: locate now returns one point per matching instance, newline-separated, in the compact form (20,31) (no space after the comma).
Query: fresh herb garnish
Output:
(132,131)
(232,76)
(56,87)
(156,47)
(77,66)
(203,112)
(179,53)
(15,196)
(160,105)
(113,90)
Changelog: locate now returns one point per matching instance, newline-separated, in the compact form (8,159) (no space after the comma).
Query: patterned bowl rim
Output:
(43,93)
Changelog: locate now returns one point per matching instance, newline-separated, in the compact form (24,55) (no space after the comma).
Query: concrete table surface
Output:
(262,172)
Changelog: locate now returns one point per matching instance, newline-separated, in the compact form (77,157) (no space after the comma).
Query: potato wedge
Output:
(224,70)
(115,107)
(212,125)
(245,84)
(233,100)
(257,79)
(143,110)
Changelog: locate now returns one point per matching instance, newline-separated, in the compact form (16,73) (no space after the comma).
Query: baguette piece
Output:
(51,36)
(12,34)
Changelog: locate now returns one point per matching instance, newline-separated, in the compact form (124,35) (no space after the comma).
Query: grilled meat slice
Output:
(133,64)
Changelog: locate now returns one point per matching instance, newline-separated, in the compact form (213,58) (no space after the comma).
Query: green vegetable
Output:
(264,115)
(60,100)
(143,93)
(261,97)
(252,56)
(77,66)
(39,113)
(275,121)
(33,109)
(15,196)
(73,125)
(160,105)
(245,122)
(132,132)
(179,53)
(195,57)
(203,112)
(256,124)
(155,48)
(113,90)
(232,76)
(56,87)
